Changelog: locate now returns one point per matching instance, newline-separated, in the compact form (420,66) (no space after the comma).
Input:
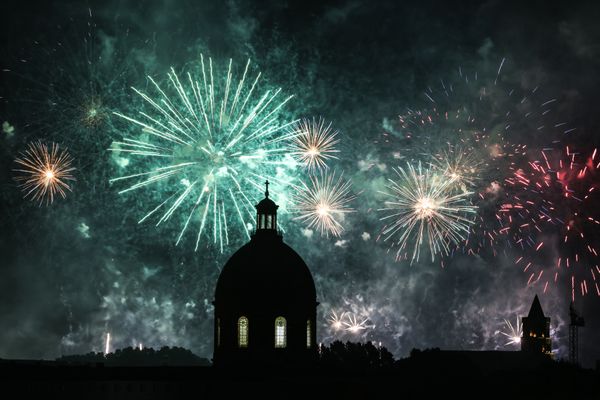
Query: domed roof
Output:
(265,271)
(267,206)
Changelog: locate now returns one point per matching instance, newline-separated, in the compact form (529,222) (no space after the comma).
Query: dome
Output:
(265,301)
(262,270)
(267,206)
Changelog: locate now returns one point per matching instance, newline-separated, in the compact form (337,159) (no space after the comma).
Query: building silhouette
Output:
(265,301)
(536,330)
(577,321)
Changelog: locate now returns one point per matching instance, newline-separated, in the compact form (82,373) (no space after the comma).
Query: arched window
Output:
(308,343)
(280,332)
(243,332)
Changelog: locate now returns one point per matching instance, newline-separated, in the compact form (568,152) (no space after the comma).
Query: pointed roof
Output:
(536,309)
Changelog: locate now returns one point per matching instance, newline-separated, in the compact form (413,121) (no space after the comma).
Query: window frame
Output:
(280,332)
(243,328)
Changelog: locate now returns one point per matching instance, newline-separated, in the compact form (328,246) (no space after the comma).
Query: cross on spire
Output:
(267,191)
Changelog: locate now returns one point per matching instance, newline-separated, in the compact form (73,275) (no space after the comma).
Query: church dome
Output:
(265,301)
(265,269)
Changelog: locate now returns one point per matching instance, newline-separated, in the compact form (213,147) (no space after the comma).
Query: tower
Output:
(265,301)
(536,330)
(576,322)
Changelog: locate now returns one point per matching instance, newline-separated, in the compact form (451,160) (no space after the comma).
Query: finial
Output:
(267,191)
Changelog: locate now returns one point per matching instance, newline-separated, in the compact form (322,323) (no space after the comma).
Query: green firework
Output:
(203,147)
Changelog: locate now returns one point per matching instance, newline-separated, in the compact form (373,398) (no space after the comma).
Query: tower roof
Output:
(536,309)
(266,205)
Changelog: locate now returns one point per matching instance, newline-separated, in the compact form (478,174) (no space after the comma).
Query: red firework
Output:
(552,213)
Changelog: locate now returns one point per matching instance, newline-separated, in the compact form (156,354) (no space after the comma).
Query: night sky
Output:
(76,269)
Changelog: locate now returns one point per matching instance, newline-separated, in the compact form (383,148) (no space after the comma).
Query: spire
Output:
(536,309)
(267,191)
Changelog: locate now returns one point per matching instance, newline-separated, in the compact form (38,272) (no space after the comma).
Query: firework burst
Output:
(512,332)
(336,322)
(354,324)
(204,143)
(323,203)
(313,143)
(72,84)
(477,128)
(424,207)
(460,166)
(44,173)
(476,113)
(551,214)
(348,322)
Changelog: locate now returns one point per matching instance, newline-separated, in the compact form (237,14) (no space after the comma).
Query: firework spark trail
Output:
(354,324)
(482,119)
(555,197)
(349,322)
(513,332)
(72,83)
(44,173)
(107,344)
(424,207)
(208,139)
(458,165)
(323,203)
(464,111)
(336,322)
(313,143)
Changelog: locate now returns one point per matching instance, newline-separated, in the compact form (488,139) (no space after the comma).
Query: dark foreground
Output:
(444,375)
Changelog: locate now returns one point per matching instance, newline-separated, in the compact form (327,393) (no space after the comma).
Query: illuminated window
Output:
(280,333)
(269,218)
(308,344)
(243,332)
(218,332)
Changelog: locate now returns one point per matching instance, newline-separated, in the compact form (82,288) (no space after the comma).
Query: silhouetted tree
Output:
(129,356)
(418,352)
(355,355)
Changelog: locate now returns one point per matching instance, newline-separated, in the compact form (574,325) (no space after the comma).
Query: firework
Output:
(354,324)
(313,143)
(423,207)
(204,146)
(512,332)
(348,322)
(475,113)
(551,214)
(107,344)
(323,203)
(459,166)
(336,322)
(473,127)
(44,172)
(73,83)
